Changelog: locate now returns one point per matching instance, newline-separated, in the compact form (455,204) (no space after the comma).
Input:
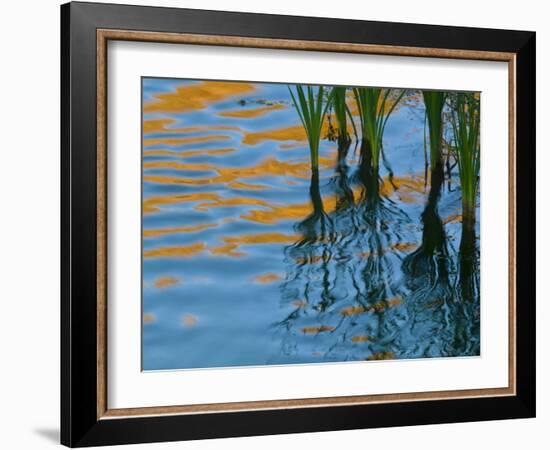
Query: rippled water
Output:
(249,259)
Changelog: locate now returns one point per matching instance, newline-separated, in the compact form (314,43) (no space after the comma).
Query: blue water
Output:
(248,259)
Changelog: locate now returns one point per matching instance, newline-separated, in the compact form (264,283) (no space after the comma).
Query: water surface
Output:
(250,258)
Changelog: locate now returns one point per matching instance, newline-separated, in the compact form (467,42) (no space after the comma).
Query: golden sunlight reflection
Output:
(164,282)
(267,278)
(268,238)
(196,96)
(250,113)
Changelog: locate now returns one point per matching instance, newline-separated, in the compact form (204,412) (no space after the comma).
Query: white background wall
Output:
(29,223)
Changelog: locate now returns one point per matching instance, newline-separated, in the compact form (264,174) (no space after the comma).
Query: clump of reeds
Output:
(434,102)
(375,106)
(465,121)
(312,107)
(342,113)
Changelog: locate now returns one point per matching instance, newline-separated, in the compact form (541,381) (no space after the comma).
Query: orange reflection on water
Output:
(267,278)
(375,307)
(402,184)
(177,165)
(360,338)
(156,125)
(234,201)
(381,356)
(232,243)
(189,320)
(251,113)
(162,126)
(316,330)
(148,318)
(174,230)
(148,142)
(163,282)
(196,96)
(452,218)
(227,250)
(263,238)
(229,247)
(296,211)
(188,153)
(293,133)
(248,186)
(182,251)
(266,168)
(152,204)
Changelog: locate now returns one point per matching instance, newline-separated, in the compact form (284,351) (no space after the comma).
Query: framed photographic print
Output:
(277,224)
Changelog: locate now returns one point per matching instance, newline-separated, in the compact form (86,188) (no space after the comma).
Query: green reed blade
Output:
(465,120)
(374,112)
(312,111)
(434,102)
(342,113)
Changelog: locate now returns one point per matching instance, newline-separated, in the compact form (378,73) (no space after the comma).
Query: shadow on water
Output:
(341,273)
(444,313)
(421,304)
(279,202)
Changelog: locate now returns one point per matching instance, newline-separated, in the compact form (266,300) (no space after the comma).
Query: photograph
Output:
(298,224)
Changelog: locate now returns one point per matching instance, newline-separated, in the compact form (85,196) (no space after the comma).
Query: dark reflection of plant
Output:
(427,278)
(343,265)
(430,259)
(465,119)
(434,301)
(350,246)
(341,281)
